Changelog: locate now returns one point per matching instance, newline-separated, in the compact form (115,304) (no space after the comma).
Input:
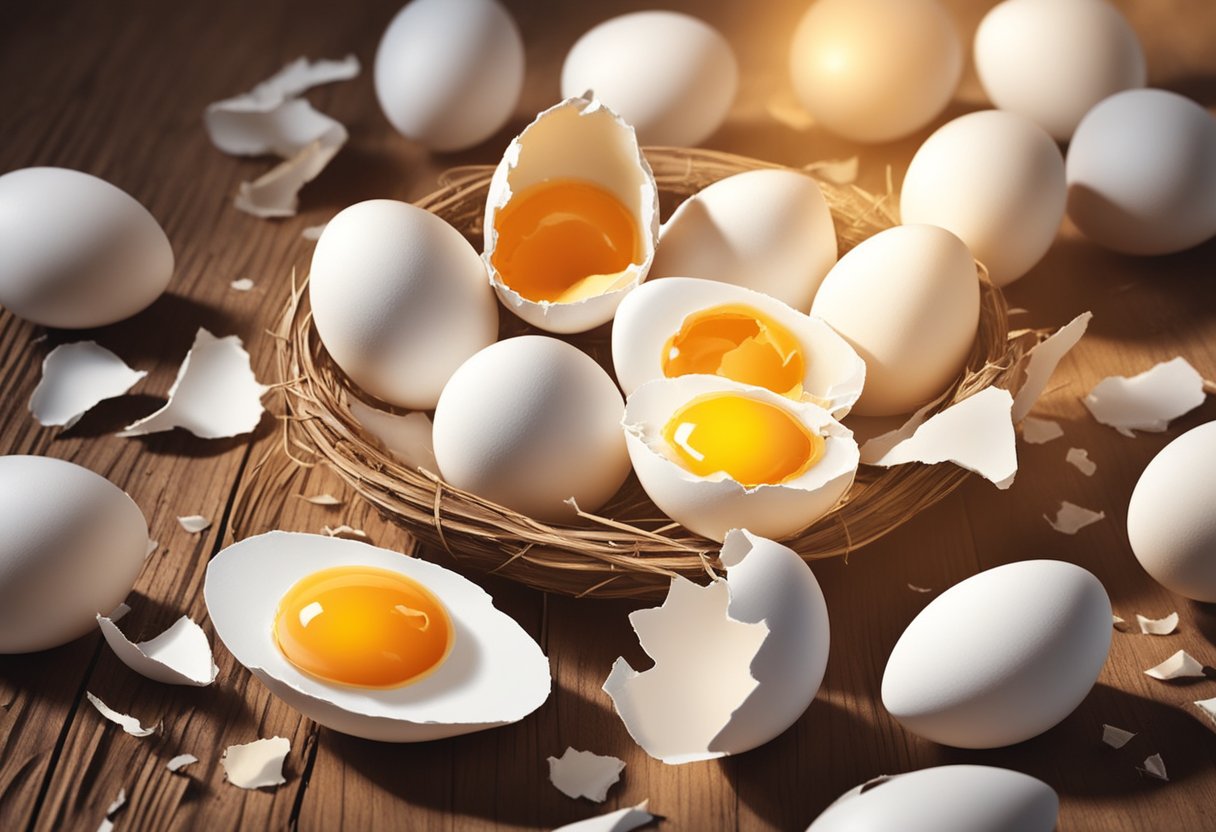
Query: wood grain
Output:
(117,89)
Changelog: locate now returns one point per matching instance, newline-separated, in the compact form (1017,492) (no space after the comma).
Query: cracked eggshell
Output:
(768,230)
(754,679)
(399,299)
(494,675)
(72,547)
(946,799)
(1000,657)
(581,139)
(711,506)
(77,251)
(655,311)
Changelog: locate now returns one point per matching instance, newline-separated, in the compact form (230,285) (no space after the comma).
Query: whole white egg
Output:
(449,72)
(1000,657)
(1141,173)
(77,252)
(768,230)
(994,179)
(72,547)
(1051,61)
(1170,522)
(876,70)
(670,75)
(530,422)
(400,300)
(907,300)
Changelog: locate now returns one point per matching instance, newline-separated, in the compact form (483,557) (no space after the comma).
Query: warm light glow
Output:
(362,626)
(739,343)
(751,441)
(564,240)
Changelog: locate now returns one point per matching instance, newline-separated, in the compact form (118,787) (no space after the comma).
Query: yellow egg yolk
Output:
(740,343)
(751,441)
(564,240)
(362,626)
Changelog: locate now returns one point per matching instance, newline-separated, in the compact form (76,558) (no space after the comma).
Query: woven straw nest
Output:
(629,549)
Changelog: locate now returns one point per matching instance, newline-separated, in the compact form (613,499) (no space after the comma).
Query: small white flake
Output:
(585,774)
(921,589)
(1149,401)
(622,820)
(243,284)
(117,803)
(1116,737)
(181,761)
(1040,431)
(1158,626)
(1181,665)
(322,500)
(1154,766)
(128,723)
(257,764)
(152,547)
(75,378)
(1042,361)
(1117,620)
(345,531)
(1071,518)
(1079,459)
(180,655)
(194,523)
(1208,708)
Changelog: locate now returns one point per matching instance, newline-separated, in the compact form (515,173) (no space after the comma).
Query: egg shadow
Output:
(1204,617)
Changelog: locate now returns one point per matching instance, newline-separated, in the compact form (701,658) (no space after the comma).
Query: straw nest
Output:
(628,549)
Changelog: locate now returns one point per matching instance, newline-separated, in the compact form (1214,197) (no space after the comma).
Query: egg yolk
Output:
(740,343)
(564,240)
(362,626)
(751,441)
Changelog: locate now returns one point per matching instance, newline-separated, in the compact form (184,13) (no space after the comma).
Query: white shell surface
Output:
(1000,657)
(1170,522)
(768,230)
(72,547)
(77,252)
(495,673)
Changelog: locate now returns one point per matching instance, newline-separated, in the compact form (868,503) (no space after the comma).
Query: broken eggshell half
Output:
(749,649)
(494,674)
(583,141)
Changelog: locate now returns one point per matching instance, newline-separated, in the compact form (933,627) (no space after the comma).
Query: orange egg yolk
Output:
(740,343)
(362,626)
(564,240)
(751,441)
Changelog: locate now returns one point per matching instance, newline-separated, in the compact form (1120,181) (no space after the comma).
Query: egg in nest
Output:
(370,642)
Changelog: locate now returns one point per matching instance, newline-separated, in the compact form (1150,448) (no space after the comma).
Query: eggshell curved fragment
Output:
(75,378)
(946,799)
(962,675)
(77,251)
(178,656)
(767,230)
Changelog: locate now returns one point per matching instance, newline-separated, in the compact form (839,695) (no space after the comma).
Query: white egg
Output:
(572,217)
(400,300)
(77,251)
(1051,61)
(450,72)
(646,342)
(1142,173)
(72,547)
(1170,522)
(670,75)
(994,179)
(1000,657)
(768,230)
(529,423)
(946,799)
(712,503)
(908,301)
(876,70)
(492,674)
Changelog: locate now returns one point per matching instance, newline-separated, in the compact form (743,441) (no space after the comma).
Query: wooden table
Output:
(118,88)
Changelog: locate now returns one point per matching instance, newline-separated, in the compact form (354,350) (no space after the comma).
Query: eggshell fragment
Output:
(1042,361)
(408,437)
(1154,766)
(180,655)
(129,724)
(1079,459)
(750,649)
(1071,518)
(194,523)
(214,396)
(181,761)
(327,500)
(257,764)
(75,377)
(1208,708)
(1181,665)
(585,774)
(1116,737)
(960,676)
(1157,626)
(959,798)
(117,803)
(1039,431)
(1149,401)
(622,820)
(243,284)
(276,192)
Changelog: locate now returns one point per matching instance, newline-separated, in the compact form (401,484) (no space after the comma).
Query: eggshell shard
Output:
(77,251)
(449,73)
(1181,665)
(73,545)
(1149,401)
(767,230)
(585,774)
(578,139)
(257,764)
(996,180)
(1039,431)
(181,761)
(656,310)
(1170,522)
(946,799)
(678,84)
(495,674)
(711,506)
(180,655)
(1208,708)
(1154,767)
(399,299)
(1079,459)
(959,676)
(1116,737)
(750,649)
(1157,626)
(129,724)
(194,523)
(529,423)
(1042,361)
(75,378)
(407,437)
(622,820)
